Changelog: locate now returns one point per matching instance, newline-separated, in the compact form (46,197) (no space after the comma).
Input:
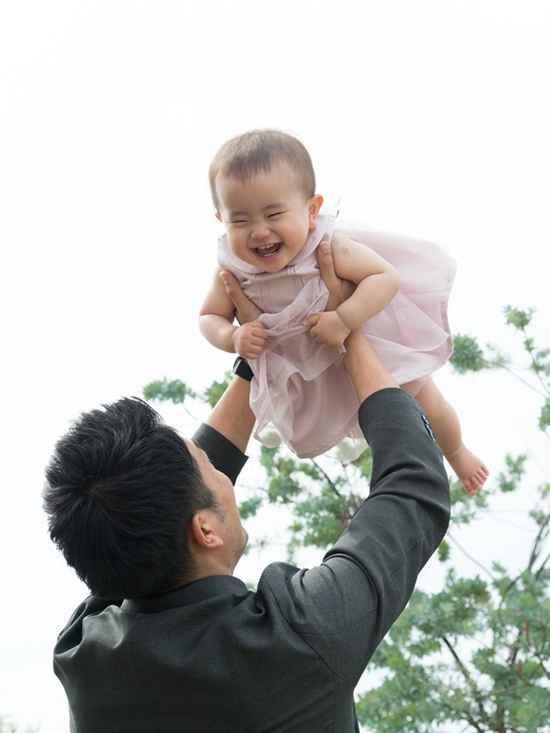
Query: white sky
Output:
(428,117)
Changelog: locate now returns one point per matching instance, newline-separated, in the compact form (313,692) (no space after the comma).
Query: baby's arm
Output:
(377,283)
(216,323)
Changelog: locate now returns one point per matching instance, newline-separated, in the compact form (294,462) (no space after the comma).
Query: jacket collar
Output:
(200,590)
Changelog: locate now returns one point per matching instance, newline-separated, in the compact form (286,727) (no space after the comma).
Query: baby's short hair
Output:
(257,151)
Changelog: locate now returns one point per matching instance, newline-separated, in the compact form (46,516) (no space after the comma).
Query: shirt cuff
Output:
(223,454)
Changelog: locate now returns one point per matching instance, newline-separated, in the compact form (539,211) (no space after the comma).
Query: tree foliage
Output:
(8,727)
(477,652)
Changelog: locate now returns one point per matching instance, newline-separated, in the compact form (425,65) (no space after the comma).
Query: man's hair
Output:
(258,151)
(121,489)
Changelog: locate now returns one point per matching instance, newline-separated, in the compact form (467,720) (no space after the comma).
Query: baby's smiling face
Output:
(266,217)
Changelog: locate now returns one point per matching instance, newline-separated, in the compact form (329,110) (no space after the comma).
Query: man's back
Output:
(213,656)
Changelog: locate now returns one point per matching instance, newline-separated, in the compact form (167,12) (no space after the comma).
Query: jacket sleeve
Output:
(225,456)
(344,607)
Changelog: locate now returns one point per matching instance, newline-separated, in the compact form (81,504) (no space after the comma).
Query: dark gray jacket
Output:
(214,656)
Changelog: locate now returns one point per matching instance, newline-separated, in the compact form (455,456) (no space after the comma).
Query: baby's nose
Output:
(260,231)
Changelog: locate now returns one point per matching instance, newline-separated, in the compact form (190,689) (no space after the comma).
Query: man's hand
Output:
(338,290)
(248,340)
(245,310)
(328,329)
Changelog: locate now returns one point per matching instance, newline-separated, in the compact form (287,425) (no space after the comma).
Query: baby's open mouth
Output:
(268,250)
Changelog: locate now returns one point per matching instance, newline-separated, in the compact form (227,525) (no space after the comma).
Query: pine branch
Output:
(327,478)
(505,690)
(462,667)
(531,350)
(524,381)
(546,671)
(539,541)
(449,535)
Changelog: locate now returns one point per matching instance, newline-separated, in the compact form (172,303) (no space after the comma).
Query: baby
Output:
(263,188)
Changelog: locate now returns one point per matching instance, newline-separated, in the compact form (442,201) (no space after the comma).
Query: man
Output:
(170,640)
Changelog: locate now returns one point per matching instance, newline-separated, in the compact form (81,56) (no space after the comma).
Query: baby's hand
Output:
(248,340)
(328,329)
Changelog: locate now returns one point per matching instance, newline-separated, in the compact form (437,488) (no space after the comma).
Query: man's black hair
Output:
(121,489)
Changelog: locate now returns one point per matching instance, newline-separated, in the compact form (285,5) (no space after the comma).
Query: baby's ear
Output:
(314,206)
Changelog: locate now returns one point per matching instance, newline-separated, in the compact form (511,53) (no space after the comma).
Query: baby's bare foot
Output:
(471,471)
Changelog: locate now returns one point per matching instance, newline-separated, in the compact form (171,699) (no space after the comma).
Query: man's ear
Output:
(202,531)
(313,207)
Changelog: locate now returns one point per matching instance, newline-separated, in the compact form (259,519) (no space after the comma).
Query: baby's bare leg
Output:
(470,470)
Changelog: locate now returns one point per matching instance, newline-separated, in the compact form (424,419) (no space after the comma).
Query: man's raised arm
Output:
(367,372)
(226,432)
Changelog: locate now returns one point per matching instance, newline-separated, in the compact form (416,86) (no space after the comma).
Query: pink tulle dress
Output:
(302,388)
